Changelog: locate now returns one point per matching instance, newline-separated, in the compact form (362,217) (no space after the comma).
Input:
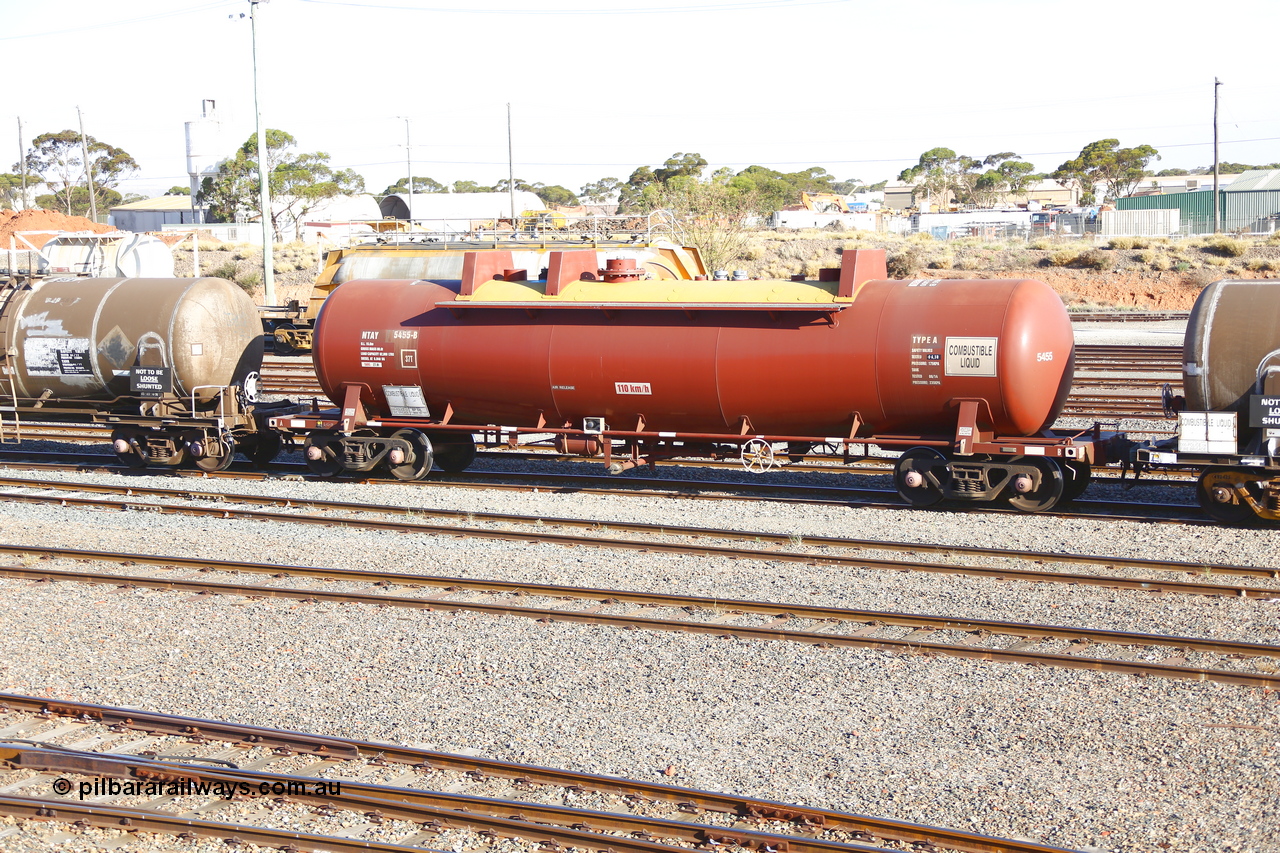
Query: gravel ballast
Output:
(1060,756)
(1078,759)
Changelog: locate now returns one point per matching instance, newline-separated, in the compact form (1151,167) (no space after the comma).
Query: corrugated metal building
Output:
(1159,222)
(153,213)
(1251,203)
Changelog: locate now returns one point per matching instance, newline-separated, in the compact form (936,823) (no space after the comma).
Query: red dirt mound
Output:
(41,220)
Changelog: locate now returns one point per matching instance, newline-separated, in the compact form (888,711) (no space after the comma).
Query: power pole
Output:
(1217,219)
(408,164)
(22,159)
(511,175)
(88,170)
(264,193)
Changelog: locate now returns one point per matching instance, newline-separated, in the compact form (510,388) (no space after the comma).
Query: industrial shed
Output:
(1251,203)
(153,214)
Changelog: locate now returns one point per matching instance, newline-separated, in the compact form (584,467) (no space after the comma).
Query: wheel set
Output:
(924,476)
(1230,495)
(404,454)
(138,447)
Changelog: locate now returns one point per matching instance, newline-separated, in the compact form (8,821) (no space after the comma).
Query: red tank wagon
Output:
(966,377)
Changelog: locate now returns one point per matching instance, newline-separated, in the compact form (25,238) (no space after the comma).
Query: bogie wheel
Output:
(921,476)
(1078,476)
(125,451)
(321,456)
(416,464)
(1026,496)
(283,347)
(454,453)
(757,456)
(211,463)
(1218,495)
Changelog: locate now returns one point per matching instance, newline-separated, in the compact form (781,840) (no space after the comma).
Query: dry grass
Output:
(779,255)
(1227,247)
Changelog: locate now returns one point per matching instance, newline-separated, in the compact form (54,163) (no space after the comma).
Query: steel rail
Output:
(134,820)
(566,540)
(683,489)
(865,465)
(291,742)
(1139,350)
(533,821)
(1196,567)
(904,645)
(819,613)
(1126,316)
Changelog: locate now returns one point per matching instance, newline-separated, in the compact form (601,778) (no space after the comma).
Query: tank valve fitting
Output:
(315,453)
(913,479)
(625,465)
(395,456)
(1022,484)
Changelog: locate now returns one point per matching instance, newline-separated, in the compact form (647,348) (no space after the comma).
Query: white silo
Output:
(204,149)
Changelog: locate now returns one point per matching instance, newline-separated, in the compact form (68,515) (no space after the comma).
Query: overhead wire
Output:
(731,6)
(422,164)
(142,19)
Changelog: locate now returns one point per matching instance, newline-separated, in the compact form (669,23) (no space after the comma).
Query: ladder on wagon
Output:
(10,431)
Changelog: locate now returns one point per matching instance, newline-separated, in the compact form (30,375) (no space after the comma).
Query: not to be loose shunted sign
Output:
(151,381)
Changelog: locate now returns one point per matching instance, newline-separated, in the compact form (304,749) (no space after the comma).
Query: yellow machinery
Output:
(292,325)
(543,220)
(824,202)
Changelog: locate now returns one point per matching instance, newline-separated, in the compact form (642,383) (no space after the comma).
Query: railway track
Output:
(379,805)
(859,553)
(631,485)
(381,783)
(1128,316)
(1148,655)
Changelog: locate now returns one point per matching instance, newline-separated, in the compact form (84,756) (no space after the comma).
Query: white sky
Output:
(598,87)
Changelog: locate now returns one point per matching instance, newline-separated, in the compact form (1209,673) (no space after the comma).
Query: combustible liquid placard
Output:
(971,356)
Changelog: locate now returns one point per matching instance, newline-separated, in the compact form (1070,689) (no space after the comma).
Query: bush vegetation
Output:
(1227,247)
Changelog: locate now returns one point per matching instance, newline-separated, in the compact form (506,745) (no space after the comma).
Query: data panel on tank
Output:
(389,348)
(57,356)
(926,360)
